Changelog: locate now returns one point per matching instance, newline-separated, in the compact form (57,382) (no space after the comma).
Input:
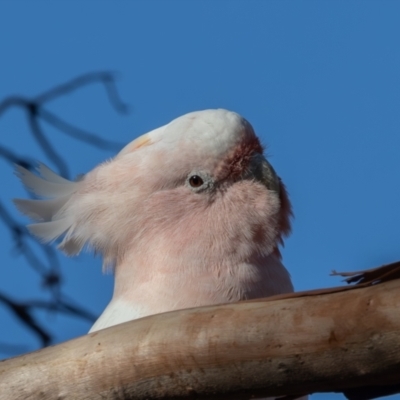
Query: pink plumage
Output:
(189,214)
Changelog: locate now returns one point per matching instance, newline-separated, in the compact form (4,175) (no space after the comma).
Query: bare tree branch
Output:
(23,313)
(19,236)
(45,144)
(78,133)
(107,78)
(341,340)
(49,268)
(13,158)
(35,111)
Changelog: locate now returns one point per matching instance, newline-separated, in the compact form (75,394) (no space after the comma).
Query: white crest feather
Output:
(51,214)
(51,176)
(48,186)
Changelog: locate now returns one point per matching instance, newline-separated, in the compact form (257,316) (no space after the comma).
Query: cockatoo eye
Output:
(199,181)
(195,181)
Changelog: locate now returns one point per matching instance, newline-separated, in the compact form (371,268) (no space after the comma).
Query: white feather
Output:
(41,210)
(50,231)
(42,186)
(51,214)
(51,176)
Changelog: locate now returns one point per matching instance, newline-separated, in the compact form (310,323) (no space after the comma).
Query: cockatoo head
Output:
(197,190)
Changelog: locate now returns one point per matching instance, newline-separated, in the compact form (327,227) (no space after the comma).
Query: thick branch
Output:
(316,343)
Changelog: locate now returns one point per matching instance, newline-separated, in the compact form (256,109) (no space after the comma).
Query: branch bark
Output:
(319,341)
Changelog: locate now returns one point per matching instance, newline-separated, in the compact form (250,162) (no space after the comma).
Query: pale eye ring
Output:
(195,181)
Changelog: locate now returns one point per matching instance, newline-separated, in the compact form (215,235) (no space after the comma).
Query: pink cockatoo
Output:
(189,214)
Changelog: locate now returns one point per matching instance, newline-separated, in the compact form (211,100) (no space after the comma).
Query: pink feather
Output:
(173,245)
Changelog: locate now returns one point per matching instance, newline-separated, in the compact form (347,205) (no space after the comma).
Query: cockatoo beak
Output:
(261,170)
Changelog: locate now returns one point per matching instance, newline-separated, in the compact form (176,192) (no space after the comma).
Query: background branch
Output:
(47,265)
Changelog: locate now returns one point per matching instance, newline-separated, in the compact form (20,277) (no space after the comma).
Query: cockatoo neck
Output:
(203,253)
(160,286)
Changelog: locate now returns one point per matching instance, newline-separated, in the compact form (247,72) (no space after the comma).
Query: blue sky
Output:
(318,80)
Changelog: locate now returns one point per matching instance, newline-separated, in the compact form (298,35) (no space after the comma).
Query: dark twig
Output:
(13,158)
(35,111)
(45,144)
(23,313)
(78,133)
(19,235)
(105,77)
(65,306)
(13,101)
(49,269)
